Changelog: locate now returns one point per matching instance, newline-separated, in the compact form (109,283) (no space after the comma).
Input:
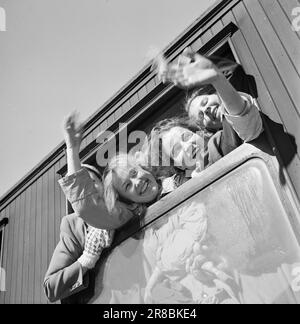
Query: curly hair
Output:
(157,162)
(206,90)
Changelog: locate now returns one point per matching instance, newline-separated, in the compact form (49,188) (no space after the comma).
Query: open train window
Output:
(172,102)
(224,51)
(223,238)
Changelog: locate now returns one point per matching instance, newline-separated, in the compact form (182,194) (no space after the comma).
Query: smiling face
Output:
(135,184)
(207,109)
(183,146)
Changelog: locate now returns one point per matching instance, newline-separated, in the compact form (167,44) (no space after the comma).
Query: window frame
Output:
(260,149)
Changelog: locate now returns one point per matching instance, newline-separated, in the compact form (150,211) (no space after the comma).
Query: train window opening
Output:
(173,104)
(223,55)
(242,226)
(223,52)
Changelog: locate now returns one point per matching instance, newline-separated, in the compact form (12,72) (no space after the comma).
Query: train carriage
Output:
(251,196)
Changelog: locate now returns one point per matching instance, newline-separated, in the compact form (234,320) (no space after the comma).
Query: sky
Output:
(57,56)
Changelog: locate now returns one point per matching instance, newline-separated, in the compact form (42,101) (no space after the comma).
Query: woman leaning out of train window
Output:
(127,182)
(233,117)
(85,192)
(80,244)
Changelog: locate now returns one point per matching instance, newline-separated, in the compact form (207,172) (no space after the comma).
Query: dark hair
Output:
(205,90)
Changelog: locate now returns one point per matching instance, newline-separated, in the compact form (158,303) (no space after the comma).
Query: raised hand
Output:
(72,131)
(191,70)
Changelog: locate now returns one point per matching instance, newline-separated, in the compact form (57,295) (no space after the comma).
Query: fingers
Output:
(193,56)
(166,72)
(161,66)
(181,72)
(71,122)
(197,57)
(187,56)
(68,122)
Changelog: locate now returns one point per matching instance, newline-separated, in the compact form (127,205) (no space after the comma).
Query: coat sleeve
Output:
(249,124)
(64,276)
(89,205)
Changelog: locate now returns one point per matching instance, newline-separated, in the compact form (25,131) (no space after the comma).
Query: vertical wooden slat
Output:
(118,113)
(83,144)
(57,214)
(51,214)
(110,120)
(156,80)
(104,125)
(206,36)
(20,250)
(277,53)
(96,132)
(38,243)
(142,92)
(32,248)
(10,239)
(89,138)
(249,64)
(57,205)
(280,101)
(150,85)
(265,65)
(26,262)
(45,235)
(15,246)
(264,98)
(282,26)
(134,99)
(288,6)
(197,44)
(217,27)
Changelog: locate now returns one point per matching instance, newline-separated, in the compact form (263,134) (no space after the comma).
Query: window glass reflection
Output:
(230,243)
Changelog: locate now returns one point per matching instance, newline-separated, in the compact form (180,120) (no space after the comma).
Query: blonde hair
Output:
(119,164)
(92,169)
